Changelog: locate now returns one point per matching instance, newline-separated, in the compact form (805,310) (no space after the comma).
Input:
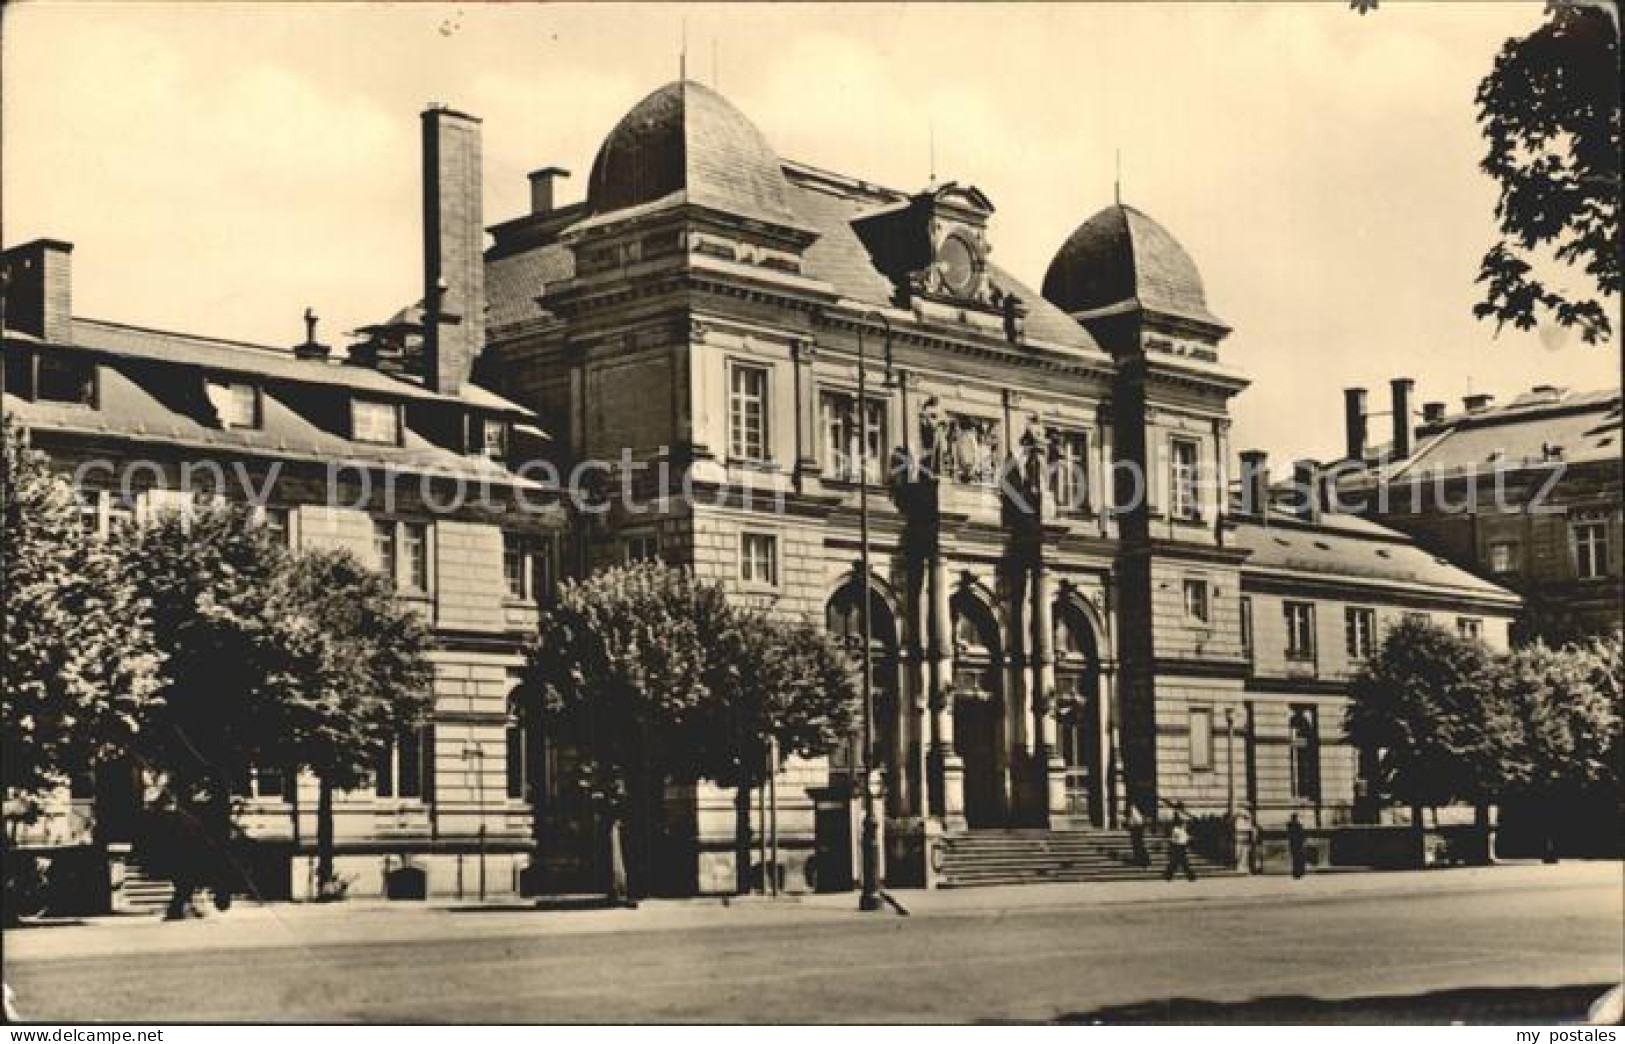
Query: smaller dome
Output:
(687,138)
(1121,258)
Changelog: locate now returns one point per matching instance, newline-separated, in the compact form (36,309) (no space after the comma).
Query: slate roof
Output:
(242,357)
(687,138)
(1346,549)
(1582,426)
(1119,259)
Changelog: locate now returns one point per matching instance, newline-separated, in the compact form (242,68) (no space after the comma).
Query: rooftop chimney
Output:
(1354,422)
(38,299)
(1402,387)
(453,248)
(1475,403)
(1307,494)
(1255,482)
(1433,412)
(541,188)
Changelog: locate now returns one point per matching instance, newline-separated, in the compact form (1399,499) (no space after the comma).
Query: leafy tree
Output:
(620,669)
(1550,113)
(1567,704)
(81,667)
(1425,710)
(373,681)
(661,680)
(238,661)
(785,688)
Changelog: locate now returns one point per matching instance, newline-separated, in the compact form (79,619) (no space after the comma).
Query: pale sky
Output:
(220,168)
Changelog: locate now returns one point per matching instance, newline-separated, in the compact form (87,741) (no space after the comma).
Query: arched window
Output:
(1305,754)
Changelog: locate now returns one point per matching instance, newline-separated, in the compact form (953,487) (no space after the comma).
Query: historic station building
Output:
(1043,657)
(1068,612)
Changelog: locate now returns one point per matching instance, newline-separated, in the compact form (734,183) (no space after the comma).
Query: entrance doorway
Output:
(979,713)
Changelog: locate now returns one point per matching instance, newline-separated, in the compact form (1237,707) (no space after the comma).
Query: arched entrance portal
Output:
(1079,716)
(979,712)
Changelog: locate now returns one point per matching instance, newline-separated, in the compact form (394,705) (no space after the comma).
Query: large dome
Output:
(1121,259)
(688,138)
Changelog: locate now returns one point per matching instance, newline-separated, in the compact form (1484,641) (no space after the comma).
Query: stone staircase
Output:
(1006,857)
(144,893)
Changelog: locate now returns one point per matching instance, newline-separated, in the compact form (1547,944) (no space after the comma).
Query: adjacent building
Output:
(1528,493)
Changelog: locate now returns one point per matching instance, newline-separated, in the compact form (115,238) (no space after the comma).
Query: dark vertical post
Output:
(869,897)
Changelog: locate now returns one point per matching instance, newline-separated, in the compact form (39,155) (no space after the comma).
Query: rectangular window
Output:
(416,548)
(120,511)
(516,554)
(1305,752)
(278,522)
(405,766)
(385,554)
(64,378)
(643,547)
(236,403)
(1590,538)
(1501,557)
(1201,739)
(494,438)
(1196,600)
(1300,630)
(1182,489)
(1360,630)
(90,511)
(1247,625)
(847,453)
(758,559)
(544,570)
(747,413)
(1070,477)
(375,422)
(1417,619)
(1470,627)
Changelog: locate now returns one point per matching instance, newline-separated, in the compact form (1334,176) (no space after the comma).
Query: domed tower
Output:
(1130,283)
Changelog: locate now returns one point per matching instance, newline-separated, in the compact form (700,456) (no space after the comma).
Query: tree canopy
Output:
(1567,703)
(1549,111)
(1426,706)
(81,667)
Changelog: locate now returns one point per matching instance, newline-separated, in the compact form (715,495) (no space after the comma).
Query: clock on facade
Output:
(959,265)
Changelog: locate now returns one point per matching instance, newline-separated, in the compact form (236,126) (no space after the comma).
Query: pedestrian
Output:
(619,893)
(1295,845)
(1136,836)
(1179,855)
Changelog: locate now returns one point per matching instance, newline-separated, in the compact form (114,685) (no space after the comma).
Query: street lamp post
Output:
(869,896)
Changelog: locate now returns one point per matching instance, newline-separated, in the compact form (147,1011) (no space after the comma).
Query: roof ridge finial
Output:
(682,53)
(1117,181)
(931,133)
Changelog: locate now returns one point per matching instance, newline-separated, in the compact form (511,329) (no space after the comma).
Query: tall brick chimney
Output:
(1255,482)
(1354,422)
(38,280)
(453,248)
(1402,387)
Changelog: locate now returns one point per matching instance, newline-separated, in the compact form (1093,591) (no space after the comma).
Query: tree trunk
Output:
(742,838)
(324,838)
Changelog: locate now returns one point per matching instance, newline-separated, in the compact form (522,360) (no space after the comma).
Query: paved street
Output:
(1506,944)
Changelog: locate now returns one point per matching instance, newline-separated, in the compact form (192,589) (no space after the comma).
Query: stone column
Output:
(807,434)
(1109,772)
(949,769)
(1047,754)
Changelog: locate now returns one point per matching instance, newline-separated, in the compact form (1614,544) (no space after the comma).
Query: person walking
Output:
(1179,855)
(1136,836)
(1295,846)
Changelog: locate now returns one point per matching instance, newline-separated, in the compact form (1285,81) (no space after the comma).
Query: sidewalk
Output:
(372,922)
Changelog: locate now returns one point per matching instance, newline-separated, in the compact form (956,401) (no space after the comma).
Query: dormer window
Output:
(375,422)
(494,438)
(236,403)
(65,378)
